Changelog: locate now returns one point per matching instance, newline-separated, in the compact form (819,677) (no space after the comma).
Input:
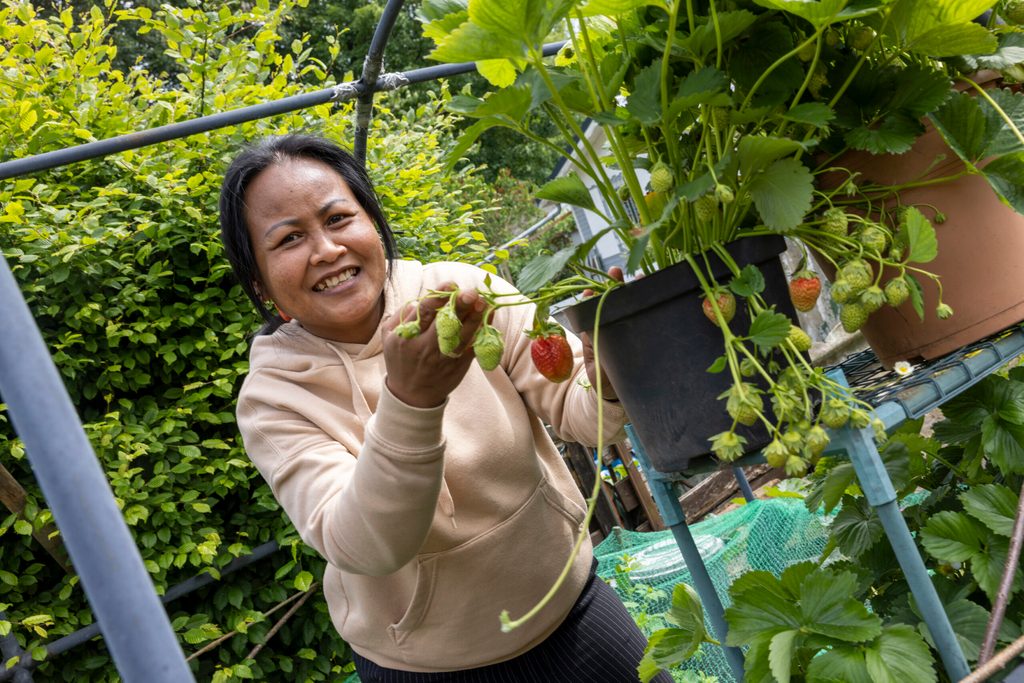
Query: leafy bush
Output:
(120,261)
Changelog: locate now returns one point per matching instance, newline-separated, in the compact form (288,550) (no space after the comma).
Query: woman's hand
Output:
(607,390)
(418,374)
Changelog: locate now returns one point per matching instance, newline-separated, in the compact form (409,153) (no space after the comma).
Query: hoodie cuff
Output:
(407,427)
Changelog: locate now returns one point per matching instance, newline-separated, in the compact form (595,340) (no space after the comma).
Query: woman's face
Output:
(319,256)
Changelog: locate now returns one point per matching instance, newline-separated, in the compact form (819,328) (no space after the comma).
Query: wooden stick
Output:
(13,496)
(213,644)
(996,663)
(280,622)
(995,620)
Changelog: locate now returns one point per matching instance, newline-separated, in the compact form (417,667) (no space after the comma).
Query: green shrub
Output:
(120,261)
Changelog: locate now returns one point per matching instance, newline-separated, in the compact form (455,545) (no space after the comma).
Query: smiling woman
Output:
(418,474)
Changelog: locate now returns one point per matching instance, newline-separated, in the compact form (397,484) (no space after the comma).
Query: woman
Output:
(430,486)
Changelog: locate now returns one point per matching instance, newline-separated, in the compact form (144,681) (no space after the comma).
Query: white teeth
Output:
(335,280)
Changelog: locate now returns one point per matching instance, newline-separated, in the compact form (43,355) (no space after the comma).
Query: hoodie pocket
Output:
(453,616)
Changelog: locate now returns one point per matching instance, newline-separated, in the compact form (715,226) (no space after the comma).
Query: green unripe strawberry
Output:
(661,177)
(744,403)
(818,80)
(1013,12)
(859,37)
(842,291)
(831,37)
(727,446)
(835,413)
(874,239)
(799,339)
(786,404)
(796,466)
(896,292)
(878,427)
(858,273)
(449,329)
(836,222)
(853,315)
(817,440)
(793,441)
(488,346)
(944,311)
(748,368)
(408,330)
(623,192)
(721,117)
(872,298)
(806,52)
(859,419)
(724,194)
(705,208)
(776,453)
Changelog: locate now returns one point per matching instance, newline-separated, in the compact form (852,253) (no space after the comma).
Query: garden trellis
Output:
(128,611)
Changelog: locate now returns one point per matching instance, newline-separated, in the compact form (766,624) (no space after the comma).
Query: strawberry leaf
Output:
(917,232)
(750,281)
(900,655)
(916,295)
(987,567)
(780,654)
(782,194)
(856,527)
(993,505)
(568,190)
(769,329)
(829,608)
(952,537)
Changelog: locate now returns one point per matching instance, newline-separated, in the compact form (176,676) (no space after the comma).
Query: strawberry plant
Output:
(720,120)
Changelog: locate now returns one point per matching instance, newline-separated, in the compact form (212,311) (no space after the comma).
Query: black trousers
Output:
(597,643)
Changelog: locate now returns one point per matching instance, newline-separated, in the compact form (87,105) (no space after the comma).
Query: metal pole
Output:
(339,93)
(134,623)
(663,492)
(371,70)
(878,490)
(744,484)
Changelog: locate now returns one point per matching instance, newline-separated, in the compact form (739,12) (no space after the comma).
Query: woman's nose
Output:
(325,248)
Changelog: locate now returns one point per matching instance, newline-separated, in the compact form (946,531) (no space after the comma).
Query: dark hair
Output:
(234,232)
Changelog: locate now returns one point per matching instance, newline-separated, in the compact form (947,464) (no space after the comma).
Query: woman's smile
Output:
(319,255)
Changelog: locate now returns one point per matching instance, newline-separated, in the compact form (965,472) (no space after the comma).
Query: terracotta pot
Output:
(979,256)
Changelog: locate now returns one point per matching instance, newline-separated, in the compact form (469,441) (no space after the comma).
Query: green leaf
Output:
(542,269)
(666,648)
(769,329)
(470,43)
(780,654)
(900,655)
(994,505)
(823,12)
(687,613)
(704,39)
(720,364)
(830,490)
(515,20)
(707,86)
(815,114)
(987,567)
(303,580)
(919,236)
(829,608)
(1003,443)
(568,189)
(894,135)
(1006,176)
(916,294)
(839,665)
(757,152)
(782,194)
(749,282)
(645,100)
(611,8)
(856,527)
(952,536)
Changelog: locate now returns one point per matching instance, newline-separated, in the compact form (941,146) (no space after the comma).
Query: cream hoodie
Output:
(432,521)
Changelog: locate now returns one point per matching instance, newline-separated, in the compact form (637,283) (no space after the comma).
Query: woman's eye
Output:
(290,237)
(336,219)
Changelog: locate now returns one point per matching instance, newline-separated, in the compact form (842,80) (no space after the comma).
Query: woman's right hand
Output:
(418,374)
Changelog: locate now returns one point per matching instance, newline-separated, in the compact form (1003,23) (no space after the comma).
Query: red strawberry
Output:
(551,353)
(726,304)
(804,289)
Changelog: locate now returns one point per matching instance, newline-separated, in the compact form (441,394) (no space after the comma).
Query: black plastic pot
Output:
(656,346)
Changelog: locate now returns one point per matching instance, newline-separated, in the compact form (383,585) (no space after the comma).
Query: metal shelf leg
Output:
(878,490)
(663,492)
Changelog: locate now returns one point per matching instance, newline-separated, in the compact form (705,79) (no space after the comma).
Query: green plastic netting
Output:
(644,567)
(767,534)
